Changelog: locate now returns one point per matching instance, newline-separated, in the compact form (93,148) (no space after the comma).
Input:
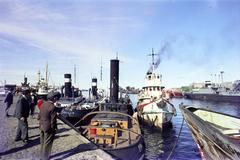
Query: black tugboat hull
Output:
(75,115)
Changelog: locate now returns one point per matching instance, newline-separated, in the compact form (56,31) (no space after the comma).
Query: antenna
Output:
(117,55)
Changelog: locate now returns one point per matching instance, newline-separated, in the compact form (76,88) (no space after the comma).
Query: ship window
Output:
(158,88)
(157,77)
(149,77)
(150,89)
(154,88)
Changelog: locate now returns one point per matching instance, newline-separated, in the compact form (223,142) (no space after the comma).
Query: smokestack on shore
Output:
(94,87)
(114,80)
(68,85)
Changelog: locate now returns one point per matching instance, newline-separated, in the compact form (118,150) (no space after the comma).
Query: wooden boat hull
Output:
(117,133)
(211,141)
(127,153)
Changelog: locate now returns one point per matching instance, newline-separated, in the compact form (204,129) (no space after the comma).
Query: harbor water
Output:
(160,145)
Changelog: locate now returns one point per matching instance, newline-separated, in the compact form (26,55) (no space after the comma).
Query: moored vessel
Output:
(114,128)
(217,134)
(153,106)
(214,92)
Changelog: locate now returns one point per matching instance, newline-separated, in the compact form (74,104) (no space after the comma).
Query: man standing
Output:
(22,113)
(48,124)
(8,101)
(33,102)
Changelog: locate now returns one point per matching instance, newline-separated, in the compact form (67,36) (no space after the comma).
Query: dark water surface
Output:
(159,145)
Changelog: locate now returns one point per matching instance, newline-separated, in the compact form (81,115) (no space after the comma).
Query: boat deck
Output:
(112,131)
(232,133)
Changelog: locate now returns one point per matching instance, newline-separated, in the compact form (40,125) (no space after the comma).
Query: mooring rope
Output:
(175,144)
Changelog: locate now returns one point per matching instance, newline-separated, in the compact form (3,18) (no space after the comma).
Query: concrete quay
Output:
(68,144)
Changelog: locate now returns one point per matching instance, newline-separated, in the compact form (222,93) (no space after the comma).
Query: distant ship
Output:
(216,93)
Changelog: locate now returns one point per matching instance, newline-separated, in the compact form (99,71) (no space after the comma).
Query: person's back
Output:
(47,116)
(48,124)
(22,107)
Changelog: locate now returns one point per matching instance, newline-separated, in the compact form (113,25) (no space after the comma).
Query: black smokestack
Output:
(114,80)
(94,87)
(68,85)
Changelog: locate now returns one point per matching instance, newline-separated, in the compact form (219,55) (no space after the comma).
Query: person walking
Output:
(48,124)
(22,113)
(8,101)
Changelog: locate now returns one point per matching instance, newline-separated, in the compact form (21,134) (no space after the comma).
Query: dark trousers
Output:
(8,105)
(22,129)
(46,140)
(32,109)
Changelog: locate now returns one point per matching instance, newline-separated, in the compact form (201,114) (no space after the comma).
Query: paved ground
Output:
(67,144)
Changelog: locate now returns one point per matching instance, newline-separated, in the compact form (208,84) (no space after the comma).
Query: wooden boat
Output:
(115,131)
(217,134)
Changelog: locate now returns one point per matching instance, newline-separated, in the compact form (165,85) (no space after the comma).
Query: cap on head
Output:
(25,91)
(53,95)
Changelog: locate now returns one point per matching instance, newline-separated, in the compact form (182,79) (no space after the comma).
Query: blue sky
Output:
(202,38)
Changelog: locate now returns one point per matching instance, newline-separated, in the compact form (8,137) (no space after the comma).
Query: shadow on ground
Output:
(65,154)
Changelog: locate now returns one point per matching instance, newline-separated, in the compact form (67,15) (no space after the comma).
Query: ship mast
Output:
(153,63)
(46,80)
(101,70)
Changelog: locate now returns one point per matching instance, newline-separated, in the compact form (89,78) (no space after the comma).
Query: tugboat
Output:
(114,128)
(153,106)
(77,110)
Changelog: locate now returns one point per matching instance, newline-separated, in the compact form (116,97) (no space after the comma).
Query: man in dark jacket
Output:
(8,100)
(22,113)
(48,124)
(33,102)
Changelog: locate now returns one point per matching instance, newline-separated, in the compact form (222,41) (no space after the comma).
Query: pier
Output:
(68,144)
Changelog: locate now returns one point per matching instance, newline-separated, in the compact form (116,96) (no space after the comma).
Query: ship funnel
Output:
(68,85)
(94,87)
(114,80)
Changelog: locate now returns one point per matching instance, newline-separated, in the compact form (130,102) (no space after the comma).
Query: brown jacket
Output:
(48,117)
